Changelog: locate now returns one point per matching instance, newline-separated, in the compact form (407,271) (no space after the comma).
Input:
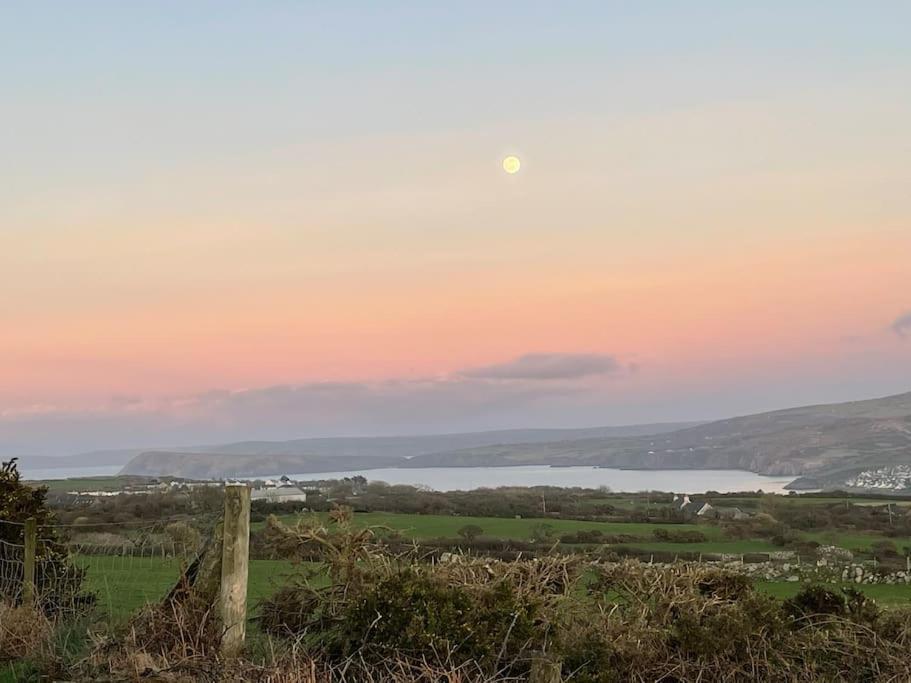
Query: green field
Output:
(852,540)
(447,526)
(732,547)
(124,584)
(882,593)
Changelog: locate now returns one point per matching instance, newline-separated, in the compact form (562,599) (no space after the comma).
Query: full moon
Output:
(511,164)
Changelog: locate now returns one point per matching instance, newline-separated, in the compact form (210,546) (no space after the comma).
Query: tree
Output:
(18,502)
(58,581)
(470,532)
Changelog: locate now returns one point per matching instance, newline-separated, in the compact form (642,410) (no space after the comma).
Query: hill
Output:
(860,444)
(830,444)
(252,458)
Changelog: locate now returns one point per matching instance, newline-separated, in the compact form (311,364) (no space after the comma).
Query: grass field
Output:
(124,584)
(883,594)
(447,526)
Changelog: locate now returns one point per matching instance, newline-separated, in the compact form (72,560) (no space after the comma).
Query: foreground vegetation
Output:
(406,588)
(362,614)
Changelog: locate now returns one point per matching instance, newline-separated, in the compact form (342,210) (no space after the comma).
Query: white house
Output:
(279,494)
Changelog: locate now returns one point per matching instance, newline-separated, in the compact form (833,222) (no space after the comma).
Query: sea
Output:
(469,478)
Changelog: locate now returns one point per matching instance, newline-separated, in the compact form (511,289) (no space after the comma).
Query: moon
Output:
(511,164)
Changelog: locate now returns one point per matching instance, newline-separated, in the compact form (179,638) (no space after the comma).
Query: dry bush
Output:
(24,632)
(99,542)
(693,623)
(377,612)
(364,615)
(184,538)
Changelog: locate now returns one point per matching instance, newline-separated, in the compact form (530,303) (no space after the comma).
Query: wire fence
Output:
(114,567)
(12,567)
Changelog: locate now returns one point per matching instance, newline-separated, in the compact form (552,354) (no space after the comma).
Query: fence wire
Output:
(115,568)
(12,567)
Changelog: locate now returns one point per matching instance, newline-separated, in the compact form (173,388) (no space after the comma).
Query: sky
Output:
(226,220)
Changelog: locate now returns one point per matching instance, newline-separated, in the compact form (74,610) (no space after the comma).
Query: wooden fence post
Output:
(30,550)
(234,568)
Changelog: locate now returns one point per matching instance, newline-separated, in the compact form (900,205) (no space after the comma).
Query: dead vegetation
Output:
(365,615)
(24,632)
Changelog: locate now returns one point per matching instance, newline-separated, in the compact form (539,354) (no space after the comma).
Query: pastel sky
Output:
(226,220)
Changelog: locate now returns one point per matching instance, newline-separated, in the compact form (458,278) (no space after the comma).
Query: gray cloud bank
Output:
(548,366)
(902,325)
(553,389)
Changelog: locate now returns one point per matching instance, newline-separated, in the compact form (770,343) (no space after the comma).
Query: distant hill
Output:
(826,443)
(822,446)
(88,459)
(222,465)
(252,458)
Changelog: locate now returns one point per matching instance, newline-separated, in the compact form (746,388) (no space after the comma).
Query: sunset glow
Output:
(247,223)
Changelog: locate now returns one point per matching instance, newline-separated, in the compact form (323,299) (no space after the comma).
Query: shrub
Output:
(679,535)
(184,538)
(24,631)
(815,601)
(491,614)
(542,532)
(58,582)
(470,532)
(885,551)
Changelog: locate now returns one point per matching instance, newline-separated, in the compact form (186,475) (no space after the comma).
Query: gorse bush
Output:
(609,622)
(377,607)
(58,582)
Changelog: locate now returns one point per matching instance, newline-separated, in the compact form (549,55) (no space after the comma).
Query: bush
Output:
(490,614)
(184,538)
(637,622)
(57,581)
(815,601)
(679,536)
(24,632)
(885,551)
(542,532)
(470,532)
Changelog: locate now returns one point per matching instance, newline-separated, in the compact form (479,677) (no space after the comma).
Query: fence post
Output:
(234,568)
(30,549)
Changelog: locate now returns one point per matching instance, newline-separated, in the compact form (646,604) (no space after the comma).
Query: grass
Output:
(447,526)
(732,547)
(885,594)
(124,584)
(857,541)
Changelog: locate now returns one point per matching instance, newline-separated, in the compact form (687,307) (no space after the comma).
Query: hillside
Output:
(821,445)
(252,458)
(829,442)
(221,465)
